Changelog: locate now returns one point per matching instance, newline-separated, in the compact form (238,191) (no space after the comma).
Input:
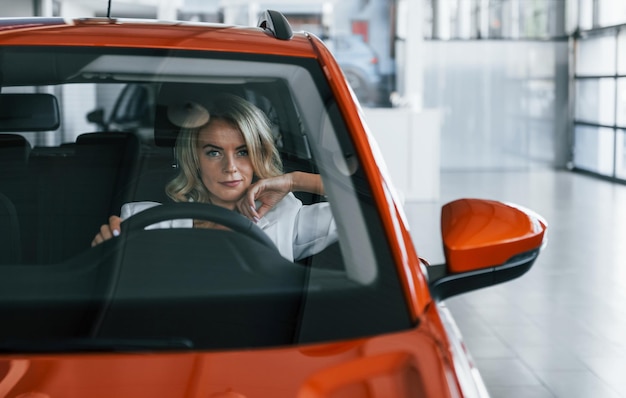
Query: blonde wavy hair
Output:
(257,134)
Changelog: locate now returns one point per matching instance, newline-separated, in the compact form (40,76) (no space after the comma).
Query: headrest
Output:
(13,140)
(14,147)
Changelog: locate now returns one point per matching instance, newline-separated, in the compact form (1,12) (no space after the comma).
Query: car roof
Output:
(145,33)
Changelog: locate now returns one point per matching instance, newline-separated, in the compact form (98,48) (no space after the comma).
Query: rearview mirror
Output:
(28,112)
(485,243)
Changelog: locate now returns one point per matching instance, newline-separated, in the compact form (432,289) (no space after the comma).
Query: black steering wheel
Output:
(198,211)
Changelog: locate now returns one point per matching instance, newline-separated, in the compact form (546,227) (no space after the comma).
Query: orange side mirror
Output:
(485,242)
(480,233)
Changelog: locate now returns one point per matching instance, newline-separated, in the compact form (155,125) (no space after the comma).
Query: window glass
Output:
(596,56)
(611,12)
(594,149)
(621,52)
(585,14)
(620,154)
(621,102)
(595,101)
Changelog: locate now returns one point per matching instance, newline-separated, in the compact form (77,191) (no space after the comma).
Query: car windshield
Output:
(84,131)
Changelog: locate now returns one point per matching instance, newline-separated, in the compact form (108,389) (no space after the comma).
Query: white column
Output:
(514,23)
(483,26)
(410,50)
(571,23)
(253,13)
(441,18)
(168,10)
(46,8)
(328,10)
(464,19)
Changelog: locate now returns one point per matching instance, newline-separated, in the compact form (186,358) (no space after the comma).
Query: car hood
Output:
(400,364)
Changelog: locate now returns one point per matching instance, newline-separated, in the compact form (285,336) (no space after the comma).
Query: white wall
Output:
(409,141)
(12,8)
(504,103)
(74,9)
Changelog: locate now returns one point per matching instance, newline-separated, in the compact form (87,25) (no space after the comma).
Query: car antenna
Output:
(109,10)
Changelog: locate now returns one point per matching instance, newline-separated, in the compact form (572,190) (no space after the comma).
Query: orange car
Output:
(216,312)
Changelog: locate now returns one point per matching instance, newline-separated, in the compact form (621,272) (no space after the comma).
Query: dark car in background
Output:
(360,65)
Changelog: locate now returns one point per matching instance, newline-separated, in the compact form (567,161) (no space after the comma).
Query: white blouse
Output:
(297,230)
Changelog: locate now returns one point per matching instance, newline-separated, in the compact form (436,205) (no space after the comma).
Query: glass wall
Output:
(599,100)
(620,154)
(610,12)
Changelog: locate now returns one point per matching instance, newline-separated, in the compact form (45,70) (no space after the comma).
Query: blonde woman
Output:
(227,157)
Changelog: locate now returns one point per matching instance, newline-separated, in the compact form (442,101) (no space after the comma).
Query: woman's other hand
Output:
(108,231)
(268,192)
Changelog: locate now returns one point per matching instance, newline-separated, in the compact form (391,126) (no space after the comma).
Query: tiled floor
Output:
(559,330)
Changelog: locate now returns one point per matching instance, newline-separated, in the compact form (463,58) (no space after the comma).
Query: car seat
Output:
(14,195)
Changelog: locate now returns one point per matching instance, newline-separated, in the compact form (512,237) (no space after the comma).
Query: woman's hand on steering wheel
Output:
(108,231)
(183,210)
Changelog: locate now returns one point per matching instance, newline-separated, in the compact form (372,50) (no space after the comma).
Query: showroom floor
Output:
(559,330)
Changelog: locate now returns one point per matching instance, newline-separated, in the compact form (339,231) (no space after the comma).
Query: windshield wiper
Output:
(93,345)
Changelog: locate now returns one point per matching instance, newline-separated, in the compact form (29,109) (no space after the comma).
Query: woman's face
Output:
(225,166)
